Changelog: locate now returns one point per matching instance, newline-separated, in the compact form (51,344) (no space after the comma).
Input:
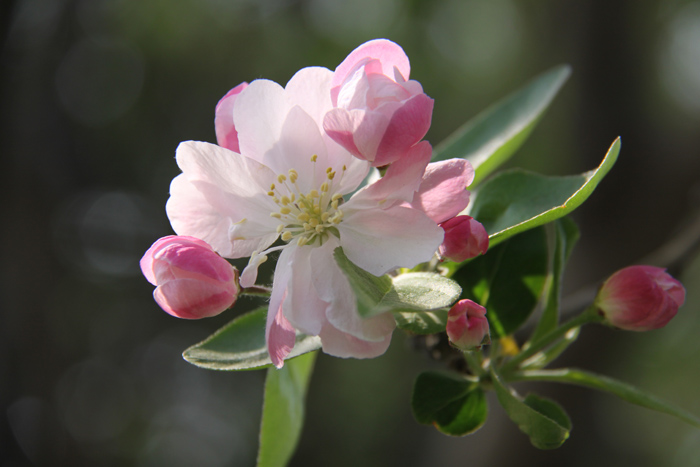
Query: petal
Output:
(258,115)
(303,307)
(443,192)
(390,54)
(192,298)
(250,272)
(280,335)
(379,241)
(401,181)
(408,125)
(358,131)
(340,344)
(310,88)
(226,134)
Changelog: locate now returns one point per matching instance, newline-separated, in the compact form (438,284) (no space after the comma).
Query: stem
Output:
(475,362)
(590,315)
(257,291)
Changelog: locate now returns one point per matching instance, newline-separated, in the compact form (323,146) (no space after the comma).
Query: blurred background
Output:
(95,96)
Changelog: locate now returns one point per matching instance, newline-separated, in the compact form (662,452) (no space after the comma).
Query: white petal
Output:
(380,241)
(303,307)
(340,344)
(310,88)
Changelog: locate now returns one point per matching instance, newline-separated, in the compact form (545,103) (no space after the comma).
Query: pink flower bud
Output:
(378,114)
(467,326)
(226,134)
(192,280)
(465,238)
(640,298)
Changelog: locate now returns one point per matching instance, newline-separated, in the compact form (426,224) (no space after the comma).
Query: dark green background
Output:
(95,95)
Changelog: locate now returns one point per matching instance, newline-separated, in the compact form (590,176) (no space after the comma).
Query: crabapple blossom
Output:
(192,280)
(378,115)
(465,238)
(467,326)
(292,182)
(640,298)
(226,134)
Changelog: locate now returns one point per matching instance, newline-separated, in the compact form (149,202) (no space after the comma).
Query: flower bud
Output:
(192,280)
(467,326)
(378,113)
(226,134)
(640,298)
(465,238)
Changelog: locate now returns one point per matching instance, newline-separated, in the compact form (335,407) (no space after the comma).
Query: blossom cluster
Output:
(296,172)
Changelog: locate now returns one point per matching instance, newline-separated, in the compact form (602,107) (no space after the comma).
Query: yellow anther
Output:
(319,228)
(317,210)
(304,217)
(331,175)
(287,236)
(270,193)
(336,220)
(276,215)
(314,157)
(313,221)
(301,241)
(272,186)
(325,216)
(307,226)
(334,204)
(344,168)
(280,228)
(285,200)
(329,170)
(324,187)
(281,178)
(336,197)
(312,194)
(293,198)
(285,210)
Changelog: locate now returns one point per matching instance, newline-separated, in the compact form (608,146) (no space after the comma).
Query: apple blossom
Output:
(640,298)
(378,115)
(465,238)
(467,326)
(290,181)
(192,280)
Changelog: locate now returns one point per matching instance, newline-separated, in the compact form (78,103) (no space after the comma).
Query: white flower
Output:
(292,182)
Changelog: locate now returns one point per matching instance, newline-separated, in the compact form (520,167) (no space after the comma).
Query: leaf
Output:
(454,405)
(515,201)
(508,280)
(283,410)
(415,291)
(603,383)
(542,420)
(369,289)
(565,236)
(422,322)
(491,138)
(240,345)
(547,356)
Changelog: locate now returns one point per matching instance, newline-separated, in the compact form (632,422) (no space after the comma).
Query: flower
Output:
(291,182)
(467,326)
(192,280)
(465,238)
(640,298)
(378,115)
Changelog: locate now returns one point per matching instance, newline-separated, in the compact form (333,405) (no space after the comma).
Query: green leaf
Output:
(542,420)
(453,404)
(489,139)
(240,345)
(603,383)
(283,410)
(565,236)
(508,280)
(547,356)
(515,201)
(415,291)
(369,289)
(422,322)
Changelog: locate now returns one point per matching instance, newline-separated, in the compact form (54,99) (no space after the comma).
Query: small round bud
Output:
(467,326)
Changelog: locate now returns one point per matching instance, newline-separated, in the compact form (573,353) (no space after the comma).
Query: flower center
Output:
(306,217)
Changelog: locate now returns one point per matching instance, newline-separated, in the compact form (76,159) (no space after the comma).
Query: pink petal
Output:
(226,134)
(399,237)
(408,125)
(280,335)
(303,307)
(193,299)
(390,55)
(443,192)
(358,131)
(340,344)
(308,89)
